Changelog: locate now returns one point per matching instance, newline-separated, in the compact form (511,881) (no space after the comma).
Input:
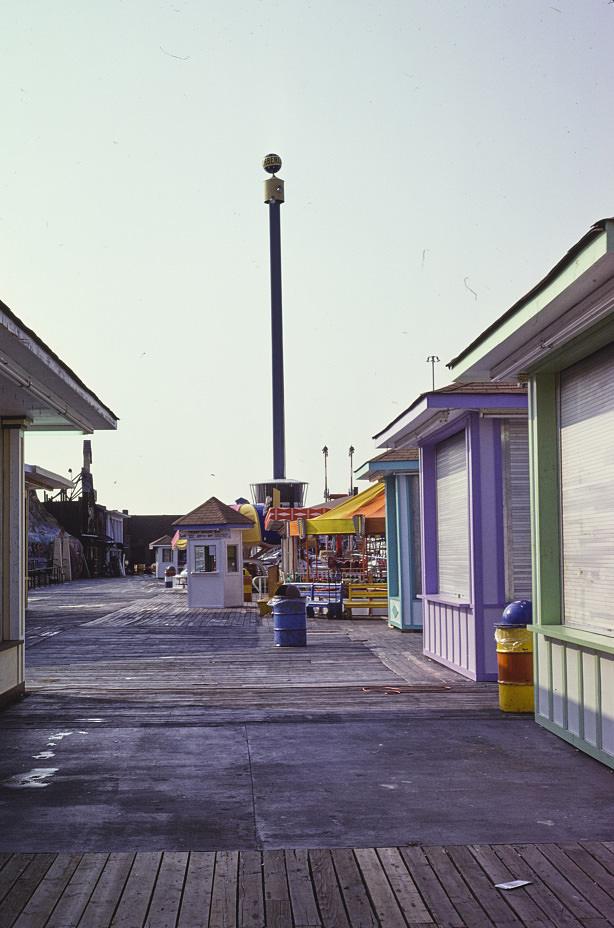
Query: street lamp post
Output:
(433,360)
(352,449)
(325,453)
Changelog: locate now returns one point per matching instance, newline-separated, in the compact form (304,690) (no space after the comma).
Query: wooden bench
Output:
(320,596)
(366,596)
(325,596)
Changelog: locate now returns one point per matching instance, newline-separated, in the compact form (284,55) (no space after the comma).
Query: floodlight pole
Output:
(274,197)
(325,453)
(432,360)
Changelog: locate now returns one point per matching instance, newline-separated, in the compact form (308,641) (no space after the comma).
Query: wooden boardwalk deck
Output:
(222,662)
(571,886)
(128,665)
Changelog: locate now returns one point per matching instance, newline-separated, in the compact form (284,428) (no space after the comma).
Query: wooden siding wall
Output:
(452,636)
(574,694)
(449,635)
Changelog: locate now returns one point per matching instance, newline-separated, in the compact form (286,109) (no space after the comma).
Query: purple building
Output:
(475,515)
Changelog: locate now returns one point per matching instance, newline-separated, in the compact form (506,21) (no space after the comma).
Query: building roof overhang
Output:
(434,411)
(213,514)
(571,311)
(36,385)
(401,461)
(164,542)
(37,478)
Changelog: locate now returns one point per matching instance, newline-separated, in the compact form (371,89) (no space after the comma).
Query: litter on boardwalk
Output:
(513,884)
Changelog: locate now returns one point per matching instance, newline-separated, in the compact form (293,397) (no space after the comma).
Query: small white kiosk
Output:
(214,533)
(165,554)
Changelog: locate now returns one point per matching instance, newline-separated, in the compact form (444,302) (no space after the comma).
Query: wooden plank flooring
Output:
(223,661)
(156,653)
(571,886)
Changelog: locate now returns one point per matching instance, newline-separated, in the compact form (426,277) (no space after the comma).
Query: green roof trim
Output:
(597,242)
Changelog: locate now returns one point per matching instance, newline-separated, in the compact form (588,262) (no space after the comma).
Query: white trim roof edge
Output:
(31,342)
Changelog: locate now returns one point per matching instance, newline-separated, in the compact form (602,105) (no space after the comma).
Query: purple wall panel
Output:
(461,636)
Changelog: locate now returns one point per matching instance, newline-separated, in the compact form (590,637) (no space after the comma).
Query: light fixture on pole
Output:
(352,449)
(433,360)
(325,453)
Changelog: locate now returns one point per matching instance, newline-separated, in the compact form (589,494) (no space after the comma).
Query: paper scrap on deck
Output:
(513,884)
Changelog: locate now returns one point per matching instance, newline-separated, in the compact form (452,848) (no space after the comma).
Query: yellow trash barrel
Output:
(247,586)
(515,658)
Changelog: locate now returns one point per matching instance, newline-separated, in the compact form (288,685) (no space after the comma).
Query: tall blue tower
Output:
(291,492)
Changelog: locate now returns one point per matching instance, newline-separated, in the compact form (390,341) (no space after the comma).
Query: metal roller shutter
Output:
(515,439)
(453,517)
(586,432)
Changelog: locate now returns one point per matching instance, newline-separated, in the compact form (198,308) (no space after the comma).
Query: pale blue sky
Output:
(439,158)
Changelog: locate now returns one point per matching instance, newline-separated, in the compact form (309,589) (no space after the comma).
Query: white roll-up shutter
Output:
(586,393)
(453,517)
(517,499)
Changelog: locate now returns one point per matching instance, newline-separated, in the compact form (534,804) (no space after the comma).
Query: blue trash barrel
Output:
(289,620)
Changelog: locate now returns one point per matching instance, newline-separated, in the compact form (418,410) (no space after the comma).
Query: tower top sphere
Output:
(271,163)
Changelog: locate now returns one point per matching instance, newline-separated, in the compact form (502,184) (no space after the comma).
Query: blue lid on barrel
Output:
(518,613)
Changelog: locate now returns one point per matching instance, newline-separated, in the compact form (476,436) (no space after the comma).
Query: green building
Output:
(559,339)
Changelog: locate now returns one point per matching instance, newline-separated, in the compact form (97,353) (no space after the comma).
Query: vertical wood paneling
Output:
(575,694)
(542,674)
(467,656)
(426,626)
(589,701)
(557,653)
(457,637)
(449,634)
(606,672)
(447,643)
(573,690)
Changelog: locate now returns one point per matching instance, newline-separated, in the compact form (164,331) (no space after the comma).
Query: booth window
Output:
(232,564)
(167,554)
(204,559)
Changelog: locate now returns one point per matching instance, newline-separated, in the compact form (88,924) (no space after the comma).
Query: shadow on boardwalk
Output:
(170,767)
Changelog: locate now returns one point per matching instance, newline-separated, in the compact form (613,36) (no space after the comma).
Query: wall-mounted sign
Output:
(209,533)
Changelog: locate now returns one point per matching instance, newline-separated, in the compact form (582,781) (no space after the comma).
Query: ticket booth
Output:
(166,555)
(214,536)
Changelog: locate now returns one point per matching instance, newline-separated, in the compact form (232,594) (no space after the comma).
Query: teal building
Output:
(399,470)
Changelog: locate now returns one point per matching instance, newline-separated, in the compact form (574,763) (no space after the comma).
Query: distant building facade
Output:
(100,530)
(141,531)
